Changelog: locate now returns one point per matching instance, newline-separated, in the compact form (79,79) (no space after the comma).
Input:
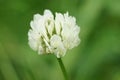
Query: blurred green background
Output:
(96,58)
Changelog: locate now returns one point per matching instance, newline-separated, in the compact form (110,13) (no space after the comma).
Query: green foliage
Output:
(96,58)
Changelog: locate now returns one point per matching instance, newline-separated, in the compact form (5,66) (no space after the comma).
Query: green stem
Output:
(62,68)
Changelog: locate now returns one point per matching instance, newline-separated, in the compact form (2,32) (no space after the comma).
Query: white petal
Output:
(33,44)
(60,52)
(47,45)
(55,40)
(47,12)
(41,50)
(37,17)
(57,45)
(76,30)
(69,20)
(59,21)
(49,21)
(76,41)
(50,28)
(49,24)
(66,33)
(33,39)
(42,29)
(33,26)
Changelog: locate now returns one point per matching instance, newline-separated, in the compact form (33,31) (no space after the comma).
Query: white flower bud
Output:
(53,35)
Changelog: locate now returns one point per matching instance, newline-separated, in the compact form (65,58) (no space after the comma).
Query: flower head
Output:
(53,35)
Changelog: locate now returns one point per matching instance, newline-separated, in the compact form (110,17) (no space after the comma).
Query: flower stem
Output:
(62,68)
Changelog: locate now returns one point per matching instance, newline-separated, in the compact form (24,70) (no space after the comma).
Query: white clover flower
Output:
(53,35)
